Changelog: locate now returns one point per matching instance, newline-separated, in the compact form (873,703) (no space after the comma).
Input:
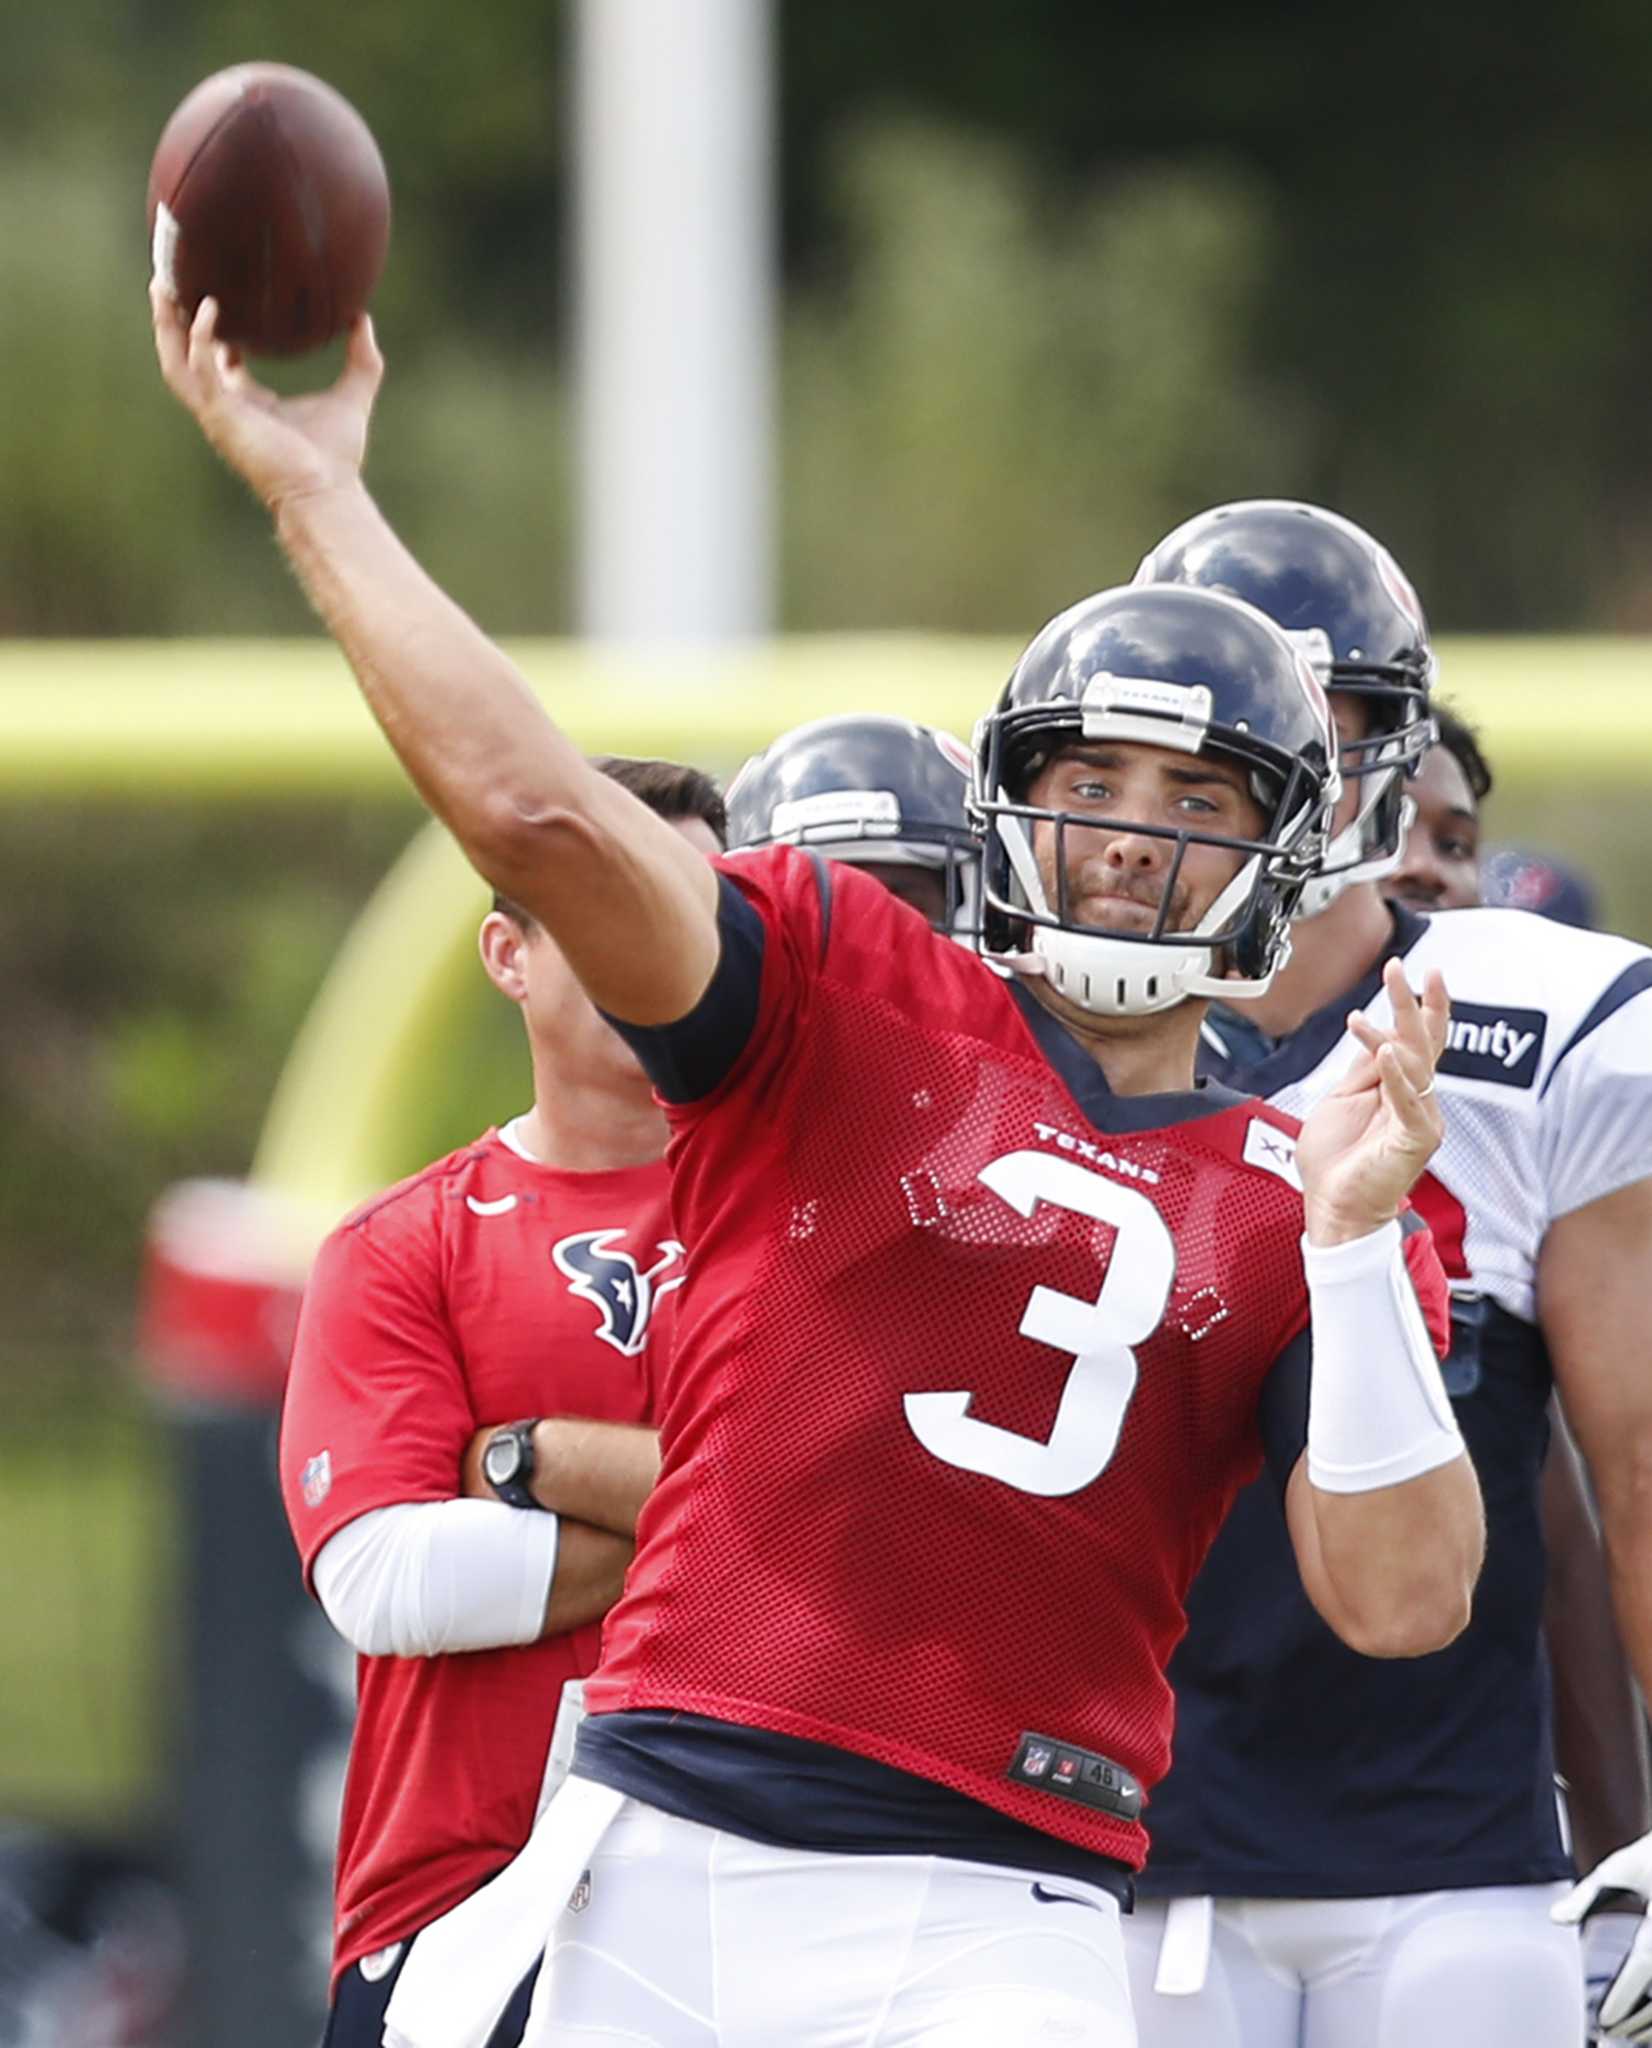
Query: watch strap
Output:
(516,1491)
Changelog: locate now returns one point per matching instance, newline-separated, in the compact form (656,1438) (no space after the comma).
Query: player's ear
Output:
(502,944)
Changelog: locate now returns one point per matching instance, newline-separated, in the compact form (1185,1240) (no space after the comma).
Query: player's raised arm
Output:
(1384,1509)
(632,906)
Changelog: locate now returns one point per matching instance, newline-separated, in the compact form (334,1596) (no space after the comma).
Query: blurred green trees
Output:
(1054,276)
(1007,401)
(157,961)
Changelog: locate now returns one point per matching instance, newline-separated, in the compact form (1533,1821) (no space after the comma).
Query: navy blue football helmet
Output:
(874,791)
(1185,669)
(1344,600)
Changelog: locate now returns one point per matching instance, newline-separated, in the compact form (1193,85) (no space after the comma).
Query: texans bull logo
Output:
(623,1294)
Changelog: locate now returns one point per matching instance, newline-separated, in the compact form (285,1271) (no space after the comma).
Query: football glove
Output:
(1608,1936)
(1624,2012)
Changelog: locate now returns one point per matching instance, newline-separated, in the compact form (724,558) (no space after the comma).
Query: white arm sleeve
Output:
(429,1577)
(1378,1411)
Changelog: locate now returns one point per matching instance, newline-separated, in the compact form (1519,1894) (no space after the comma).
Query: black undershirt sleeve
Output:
(688,1059)
(1284,1408)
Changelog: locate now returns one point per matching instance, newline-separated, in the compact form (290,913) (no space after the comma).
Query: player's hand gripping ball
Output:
(267,192)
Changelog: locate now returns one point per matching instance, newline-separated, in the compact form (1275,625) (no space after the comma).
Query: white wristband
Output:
(1378,1411)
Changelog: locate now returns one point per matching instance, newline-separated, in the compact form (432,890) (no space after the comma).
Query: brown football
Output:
(267,192)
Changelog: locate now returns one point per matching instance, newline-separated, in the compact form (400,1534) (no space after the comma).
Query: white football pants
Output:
(1483,1968)
(685,1937)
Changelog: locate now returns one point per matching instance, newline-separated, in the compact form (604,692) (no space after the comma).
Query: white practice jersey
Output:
(1546,1083)
(1303,1770)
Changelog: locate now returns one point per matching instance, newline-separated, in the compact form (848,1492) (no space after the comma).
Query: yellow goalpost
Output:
(159,720)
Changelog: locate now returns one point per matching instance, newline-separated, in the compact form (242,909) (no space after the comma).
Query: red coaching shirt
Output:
(486,1288)
(968,1373)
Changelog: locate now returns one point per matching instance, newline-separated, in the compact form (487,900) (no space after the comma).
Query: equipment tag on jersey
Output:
(1051,1766)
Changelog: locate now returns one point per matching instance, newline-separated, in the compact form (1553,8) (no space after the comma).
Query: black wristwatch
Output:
(507,1463)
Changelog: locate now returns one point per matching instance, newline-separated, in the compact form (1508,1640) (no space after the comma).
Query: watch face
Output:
(502,1460)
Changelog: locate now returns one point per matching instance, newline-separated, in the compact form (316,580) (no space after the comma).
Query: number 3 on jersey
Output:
(1097,1334)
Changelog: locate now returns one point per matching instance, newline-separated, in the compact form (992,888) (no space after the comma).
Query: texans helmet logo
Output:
(623,1294)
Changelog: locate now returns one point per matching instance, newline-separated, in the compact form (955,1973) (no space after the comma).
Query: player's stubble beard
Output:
(1095,886)
(1103,899)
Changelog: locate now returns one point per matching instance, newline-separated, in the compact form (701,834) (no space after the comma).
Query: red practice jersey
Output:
(484,1289)
(963,1382)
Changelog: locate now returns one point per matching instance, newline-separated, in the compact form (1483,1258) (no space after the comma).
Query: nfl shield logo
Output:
(580,1897)
(1036,1761)
(317,1478)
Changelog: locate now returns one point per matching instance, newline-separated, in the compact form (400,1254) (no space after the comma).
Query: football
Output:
(267,192)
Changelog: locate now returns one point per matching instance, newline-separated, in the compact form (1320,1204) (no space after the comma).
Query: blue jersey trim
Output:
(1087,1084)
(690,1058)
(796,1794)
(1233,1050)
(1633,981)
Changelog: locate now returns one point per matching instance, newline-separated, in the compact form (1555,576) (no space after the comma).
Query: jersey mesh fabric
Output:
(806,1564)
(483,1289)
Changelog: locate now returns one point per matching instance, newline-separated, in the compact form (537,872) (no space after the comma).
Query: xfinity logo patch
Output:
(1494,1045)
(1273,1150)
